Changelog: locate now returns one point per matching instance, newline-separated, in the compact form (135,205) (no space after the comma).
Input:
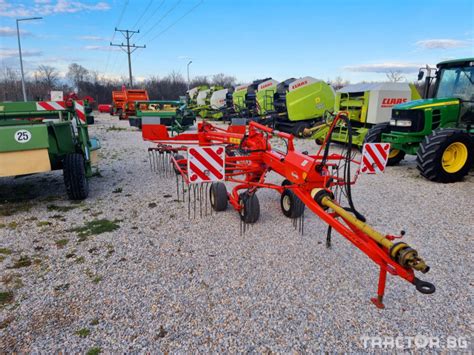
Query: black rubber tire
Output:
(299,128)
(430,153)
(75,180)
(374,135)
(286,182)
(119,114)
(291,205)
(250,211)
(90,119)
(218,196)
(178,157)
(319,141)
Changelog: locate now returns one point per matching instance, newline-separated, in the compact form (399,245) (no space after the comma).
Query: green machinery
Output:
(439,129)
(43,136)
(300,103)
(172,113)
(367,104)
(293,105)
(208,102)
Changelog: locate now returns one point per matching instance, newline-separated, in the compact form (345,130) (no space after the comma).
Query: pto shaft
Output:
(400,252)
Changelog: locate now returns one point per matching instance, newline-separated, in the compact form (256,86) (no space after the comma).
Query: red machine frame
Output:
(310,178)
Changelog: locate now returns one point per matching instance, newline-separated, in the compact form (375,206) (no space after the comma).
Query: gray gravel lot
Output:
(163,282)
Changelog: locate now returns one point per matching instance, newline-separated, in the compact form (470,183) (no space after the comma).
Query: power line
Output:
(179,19)
(143,13)
(113,36)
(161,19)
(130,48)
(152,14)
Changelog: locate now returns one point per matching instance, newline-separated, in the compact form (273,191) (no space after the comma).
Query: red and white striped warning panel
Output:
(50,105)
(374,157)
(206,164)
(80,111)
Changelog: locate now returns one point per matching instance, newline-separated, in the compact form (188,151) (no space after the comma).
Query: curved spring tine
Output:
(182,186)
(189,201)
(205,197)
(200,199)
(177,186)
(194,200)
(149,159)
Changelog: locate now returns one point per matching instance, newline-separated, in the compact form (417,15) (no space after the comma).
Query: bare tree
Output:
(77,73)
(48,76)
(223,80)
(338,83)
(395,76)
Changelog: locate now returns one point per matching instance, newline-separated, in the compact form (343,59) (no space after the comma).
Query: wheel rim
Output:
(454,157)
(286,203)
(393,153)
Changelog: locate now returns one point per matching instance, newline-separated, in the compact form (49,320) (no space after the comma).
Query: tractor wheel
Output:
(119,114)
(291,205)
(319,141)
(374,135)
(218,196)
(74,172)
(178,157)
(250,207)
(446,155)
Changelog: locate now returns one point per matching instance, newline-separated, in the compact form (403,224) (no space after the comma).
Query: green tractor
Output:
(43,136)
(438,129)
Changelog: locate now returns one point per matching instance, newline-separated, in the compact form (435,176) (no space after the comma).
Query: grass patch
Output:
(97,226)
(61,243)
(5,251)
(97,174)
(94,351)
(95,321)
(6,297)
(80,260)
(43,223)
(84,332)
(12,225)
(13,208)
(60,208)
(2,225)
(23,261)
(117,190)
(97,279)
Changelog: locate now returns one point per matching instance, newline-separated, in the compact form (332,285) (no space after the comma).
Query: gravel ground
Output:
(163,282)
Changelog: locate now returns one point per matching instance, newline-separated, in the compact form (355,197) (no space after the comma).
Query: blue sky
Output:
(357,40)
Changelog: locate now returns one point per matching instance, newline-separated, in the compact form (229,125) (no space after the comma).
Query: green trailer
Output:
(439,129)
(43,136)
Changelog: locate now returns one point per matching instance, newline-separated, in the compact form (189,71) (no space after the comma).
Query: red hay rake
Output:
(317,182)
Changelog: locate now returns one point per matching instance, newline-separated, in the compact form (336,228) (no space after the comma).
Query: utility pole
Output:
(130,48)
(188,72)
